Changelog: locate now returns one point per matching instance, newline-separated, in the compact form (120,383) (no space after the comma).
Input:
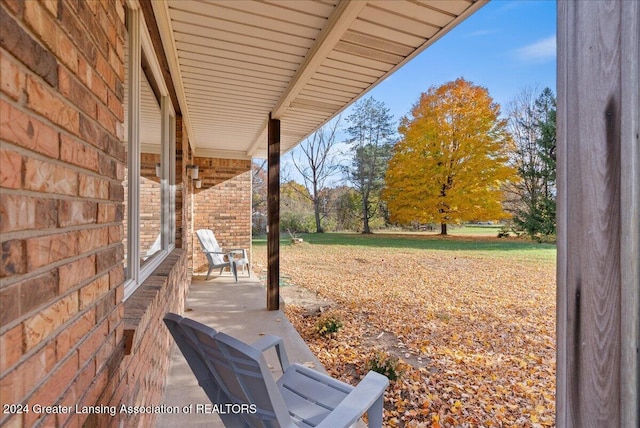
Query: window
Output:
(150,199)
(149,221)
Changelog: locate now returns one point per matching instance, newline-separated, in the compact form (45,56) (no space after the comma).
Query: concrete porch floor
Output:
(240,311)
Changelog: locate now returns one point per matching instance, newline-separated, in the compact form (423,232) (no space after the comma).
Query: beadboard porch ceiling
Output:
(303,61)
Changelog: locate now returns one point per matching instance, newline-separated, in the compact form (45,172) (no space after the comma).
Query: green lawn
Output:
(464,242)
(475,230)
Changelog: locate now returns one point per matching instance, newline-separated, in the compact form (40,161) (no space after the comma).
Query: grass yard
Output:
(471,320)
(489,230)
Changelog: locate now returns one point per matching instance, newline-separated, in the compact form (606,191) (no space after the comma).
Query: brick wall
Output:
(138,379)
(150,202)
(223,204)
(62,320)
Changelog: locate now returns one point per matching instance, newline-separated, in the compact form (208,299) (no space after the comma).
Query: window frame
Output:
(140,43)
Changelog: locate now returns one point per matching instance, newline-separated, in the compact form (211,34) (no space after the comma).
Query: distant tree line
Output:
(454,158)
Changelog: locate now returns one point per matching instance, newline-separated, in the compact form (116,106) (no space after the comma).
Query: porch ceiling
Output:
(234,62)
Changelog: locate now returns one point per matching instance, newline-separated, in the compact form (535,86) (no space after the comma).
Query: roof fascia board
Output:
(161,12)
(339,22)
(477,4)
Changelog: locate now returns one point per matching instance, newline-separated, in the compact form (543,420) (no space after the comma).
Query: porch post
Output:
(273,215)
(598,272)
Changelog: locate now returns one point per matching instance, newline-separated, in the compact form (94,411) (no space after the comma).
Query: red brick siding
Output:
(223,204)
(145,370)
(62,319)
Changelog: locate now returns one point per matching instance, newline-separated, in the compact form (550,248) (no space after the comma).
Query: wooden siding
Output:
(598,212)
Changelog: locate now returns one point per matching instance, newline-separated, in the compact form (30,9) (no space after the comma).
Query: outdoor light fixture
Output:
(158,170)
(197,183)
(194,171)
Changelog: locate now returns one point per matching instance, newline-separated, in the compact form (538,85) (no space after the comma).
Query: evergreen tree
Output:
(372,131)
(533,198)
(546,109)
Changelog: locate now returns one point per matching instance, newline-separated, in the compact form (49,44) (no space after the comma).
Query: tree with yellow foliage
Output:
(452,160)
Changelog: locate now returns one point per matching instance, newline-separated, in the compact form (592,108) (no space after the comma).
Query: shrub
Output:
(546,239)
(297,222)
(328,323)
(385,364)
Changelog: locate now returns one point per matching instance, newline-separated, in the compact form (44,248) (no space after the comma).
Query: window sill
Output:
(138,308)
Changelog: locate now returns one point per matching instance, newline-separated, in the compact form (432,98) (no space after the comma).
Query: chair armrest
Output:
(367,396)
(238,251)
(215,252)
(270,341)
(228,254)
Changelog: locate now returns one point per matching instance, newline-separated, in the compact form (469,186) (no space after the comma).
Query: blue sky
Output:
(506,46)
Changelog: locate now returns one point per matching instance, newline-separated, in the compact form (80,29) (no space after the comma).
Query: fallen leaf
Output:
(477,330)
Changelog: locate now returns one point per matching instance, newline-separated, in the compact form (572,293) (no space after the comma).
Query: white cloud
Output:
(540,51)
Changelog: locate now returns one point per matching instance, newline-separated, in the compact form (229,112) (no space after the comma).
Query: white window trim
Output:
(139,42)
(168,173)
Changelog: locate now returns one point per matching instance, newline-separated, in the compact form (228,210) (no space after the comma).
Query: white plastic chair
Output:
(219,258)
(233,372)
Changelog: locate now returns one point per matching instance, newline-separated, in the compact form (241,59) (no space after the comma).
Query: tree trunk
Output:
(316,204)
(443,228)
(365,226)
(365,216)
(317,213)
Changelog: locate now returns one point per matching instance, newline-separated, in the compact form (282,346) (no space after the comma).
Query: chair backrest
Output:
(188,335)
(246,378)
(208,242)
(230,372)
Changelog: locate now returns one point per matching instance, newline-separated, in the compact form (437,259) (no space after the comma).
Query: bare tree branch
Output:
(316,164)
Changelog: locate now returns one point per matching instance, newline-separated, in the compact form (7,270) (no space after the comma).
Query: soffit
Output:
(235,62)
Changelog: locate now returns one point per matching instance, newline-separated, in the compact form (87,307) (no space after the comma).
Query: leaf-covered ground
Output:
(475,333)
